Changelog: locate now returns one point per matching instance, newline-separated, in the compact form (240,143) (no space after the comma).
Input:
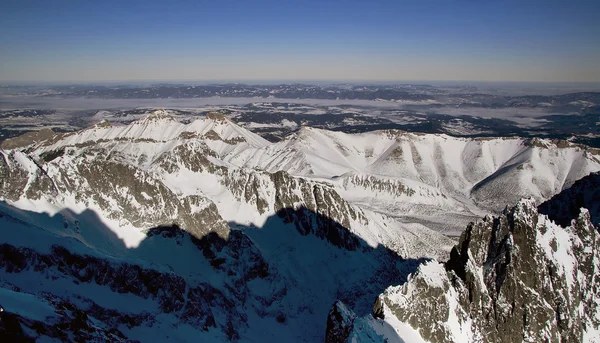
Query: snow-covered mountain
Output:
(157,171)
(424,177)
(206,230)
(156,197)
(518,277)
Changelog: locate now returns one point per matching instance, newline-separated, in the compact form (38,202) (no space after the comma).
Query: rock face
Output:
(340,323)
(518,277)
(121,191)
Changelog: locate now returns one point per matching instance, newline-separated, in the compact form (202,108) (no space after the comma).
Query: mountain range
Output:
(167,230)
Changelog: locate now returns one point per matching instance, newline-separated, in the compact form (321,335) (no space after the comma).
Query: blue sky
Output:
(300,40)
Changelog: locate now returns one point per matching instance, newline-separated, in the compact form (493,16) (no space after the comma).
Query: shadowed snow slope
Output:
(68,275)
(565,206)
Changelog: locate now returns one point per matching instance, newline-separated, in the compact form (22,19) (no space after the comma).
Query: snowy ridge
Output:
(461,176)
(459,167)
(184,180)
(159,126)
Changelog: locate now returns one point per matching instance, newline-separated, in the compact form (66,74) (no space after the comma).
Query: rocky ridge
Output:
(518,277)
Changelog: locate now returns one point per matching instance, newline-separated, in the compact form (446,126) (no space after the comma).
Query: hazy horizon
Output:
(350,41)
(271,82)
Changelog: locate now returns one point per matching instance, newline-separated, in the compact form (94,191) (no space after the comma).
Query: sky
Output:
(378,40)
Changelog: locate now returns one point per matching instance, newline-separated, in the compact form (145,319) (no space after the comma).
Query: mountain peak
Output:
(103,124)
(517,272)
(216,116)
(159,115)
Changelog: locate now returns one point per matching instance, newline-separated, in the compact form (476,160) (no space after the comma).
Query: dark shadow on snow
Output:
(566,205)
(297,253)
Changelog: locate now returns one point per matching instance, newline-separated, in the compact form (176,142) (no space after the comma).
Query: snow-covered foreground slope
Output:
(518,277)
(273,283)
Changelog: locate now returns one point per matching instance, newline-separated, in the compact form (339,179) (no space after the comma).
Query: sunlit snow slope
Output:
(420,176)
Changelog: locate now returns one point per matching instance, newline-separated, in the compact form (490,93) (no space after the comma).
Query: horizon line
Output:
(282,81)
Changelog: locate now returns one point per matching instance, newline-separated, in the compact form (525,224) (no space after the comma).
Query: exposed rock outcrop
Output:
(340,323)
(517,277)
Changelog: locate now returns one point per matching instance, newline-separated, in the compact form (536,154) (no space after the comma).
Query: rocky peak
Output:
(159,115)
(517,277)
(103,124)
(340,323)
(395,133)
(216,116)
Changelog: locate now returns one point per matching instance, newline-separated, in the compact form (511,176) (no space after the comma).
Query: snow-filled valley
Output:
(169,230)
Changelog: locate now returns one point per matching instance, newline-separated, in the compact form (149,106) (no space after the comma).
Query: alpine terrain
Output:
(164,229)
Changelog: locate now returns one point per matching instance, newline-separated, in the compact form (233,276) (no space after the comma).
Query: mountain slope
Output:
(134,181)
(513,278)
(457,166)
(427,176)
(435,180)
(259,282)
